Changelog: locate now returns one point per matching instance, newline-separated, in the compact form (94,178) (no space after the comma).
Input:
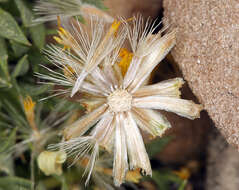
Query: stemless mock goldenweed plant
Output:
(111,82)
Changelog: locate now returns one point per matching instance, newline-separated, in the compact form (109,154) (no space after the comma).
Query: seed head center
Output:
(119,101)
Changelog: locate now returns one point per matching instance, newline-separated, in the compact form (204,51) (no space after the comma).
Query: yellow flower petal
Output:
(64,35)
(126,58)
(133,176)
(183,173)
(29,106)
(114,28)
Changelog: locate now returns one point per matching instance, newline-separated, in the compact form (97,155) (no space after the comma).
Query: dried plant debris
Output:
(110,82)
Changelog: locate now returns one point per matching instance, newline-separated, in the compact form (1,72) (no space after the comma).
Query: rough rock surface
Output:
(223,165)
(207,53)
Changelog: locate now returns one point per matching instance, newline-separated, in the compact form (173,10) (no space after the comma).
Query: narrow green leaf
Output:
(5,144)
(38,34)
(36,58)
(18,49)
(35,90)
(12,107)
(160,180)
(183,185)
(97,3)
(62,179)
(4,72)
(163,178)
(3,48)
(14,183)
(50,31)
(4,66)
(3,1)
(21,67)
(25,12)
(9,28)
(41,186)
(157,145)
(38,31)
(6,164)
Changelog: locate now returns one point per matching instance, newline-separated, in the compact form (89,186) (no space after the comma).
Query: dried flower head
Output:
(111,82)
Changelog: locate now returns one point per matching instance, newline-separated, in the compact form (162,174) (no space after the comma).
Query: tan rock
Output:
(207,53)
(222,164)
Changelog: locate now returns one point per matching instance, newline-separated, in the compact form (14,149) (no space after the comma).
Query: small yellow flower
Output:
(183,173)
(69,72)
(51,162)
(126,58)
(29,106)
(133,176)
(114,28)
(64,36)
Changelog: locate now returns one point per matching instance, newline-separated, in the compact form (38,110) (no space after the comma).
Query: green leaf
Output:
(62,179)
(36,59)
(40,186)
(38,31)
(11,99)
(5,144)
(21,67)
(157,145)
(3,1)
(3,48)
(4,67)
(9,28)
(183,185)
(4,72)
(38,34)
(163,178)
(97,3)
(25,12)
(50,31)
(14,183)
(6,164)
(18,49)
(35,90)
(15,112)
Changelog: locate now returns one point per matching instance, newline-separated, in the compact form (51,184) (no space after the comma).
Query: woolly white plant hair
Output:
(111,84)
(48,10)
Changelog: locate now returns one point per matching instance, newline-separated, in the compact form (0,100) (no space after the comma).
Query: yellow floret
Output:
(125,61)
(29,106)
